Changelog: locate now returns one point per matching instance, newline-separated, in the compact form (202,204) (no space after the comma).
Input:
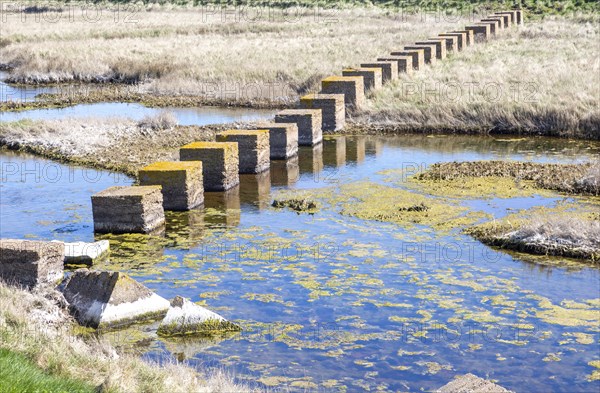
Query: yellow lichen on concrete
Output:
(170,166)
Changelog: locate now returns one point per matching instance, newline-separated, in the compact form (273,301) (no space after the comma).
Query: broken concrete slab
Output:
(29,263)
(470,383)
(187,318)
(106,299)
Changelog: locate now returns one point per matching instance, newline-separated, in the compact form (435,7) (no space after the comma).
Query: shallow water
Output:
(333,302)
(9,92)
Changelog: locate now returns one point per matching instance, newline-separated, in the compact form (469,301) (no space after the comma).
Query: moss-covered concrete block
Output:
(404,64)
(333,110)
(429,48)
(481,32)
(372,77)
(352,87)
(123,209)
(389,69)
(283,139)
(440,47)
(417,55)
(461,39)
(451,42)
(220,163)
(181,182)
(28,263)
(308,121)
(253,148)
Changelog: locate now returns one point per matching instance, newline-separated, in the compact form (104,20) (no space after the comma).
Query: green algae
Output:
(595,375)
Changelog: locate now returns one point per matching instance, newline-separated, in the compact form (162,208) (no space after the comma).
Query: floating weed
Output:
(552,357)
(565,316)
(595,375)
(364,363)
(433,367)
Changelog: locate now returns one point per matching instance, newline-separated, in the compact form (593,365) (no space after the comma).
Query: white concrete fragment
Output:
(86,253)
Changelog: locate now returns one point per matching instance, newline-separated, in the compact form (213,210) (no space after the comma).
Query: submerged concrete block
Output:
(481,32)
(451,42)
(253,148)
(102,299)
(417,55)
(352,87)
(389,69)
(333,110)
(82,253)
(404,64)
(429,51)
(440,47)
(220,163)
(28,263)
(181,182)
(308,121)
(123,209)
(283,139)
(461,39)
(372,77)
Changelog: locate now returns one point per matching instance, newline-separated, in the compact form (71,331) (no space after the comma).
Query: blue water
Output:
(9,92)
(331,302)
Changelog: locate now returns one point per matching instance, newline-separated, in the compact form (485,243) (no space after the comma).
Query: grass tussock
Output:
(569,178)
(35,327)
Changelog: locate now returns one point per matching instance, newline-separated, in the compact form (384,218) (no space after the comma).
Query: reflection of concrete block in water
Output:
(440,47)
(107,299)
(181,182)
(352,87)
(308,121)
(311,159)
(372,77)
(123,209)
(285,173)
(469,36)
(220,165)
(389,69)
(404,64)
(334,151)
(355,149)
(28,263)
(506,18)
(461,39)
(283,139)
(223,208)
(253,148)
(333,110)
(82,253)
(417,55)
(481,32)
(451,42)
(429,48)
(255,189)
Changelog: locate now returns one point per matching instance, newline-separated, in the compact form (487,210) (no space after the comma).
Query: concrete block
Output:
(451,42)
(253,148)
(123,209)
(283,139)
(506,17)
(333,110)
(494,26)
(352,87)
(417,55)
(495,18)
(181,182)
(285,173)
(403,64)
(220,163)
(481,32)
(469,34)
(308,121)
(520,17)
(461,39)
(389,69)
(334,151)
(28,263)
(429,51)
(372,77)
(440,46)
(106,299)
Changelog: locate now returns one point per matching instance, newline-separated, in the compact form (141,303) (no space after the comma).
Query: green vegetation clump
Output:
(210,327)
(296,204)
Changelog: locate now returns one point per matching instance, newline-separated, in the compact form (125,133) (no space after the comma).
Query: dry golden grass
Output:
(35,325)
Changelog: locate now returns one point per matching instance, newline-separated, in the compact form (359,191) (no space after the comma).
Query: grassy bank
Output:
(36,333)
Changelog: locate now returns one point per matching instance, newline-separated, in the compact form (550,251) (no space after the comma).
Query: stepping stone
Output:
(451,42)
(123,209)
(520,17)
(186,318)
(308,121)
(470,36)
(181,182)
(481,32)
(106,299)
(461,39)
(253,147)
(283,139)
(494,25)
(372,77)
(82,253)
(333,111)
(404,64)
(417,55)
(352,87)
(430,51)
(440,47)
(29,263)
(389,69)
(507,18)
(512,14)
(220,165)
(470,383)
(499,19)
